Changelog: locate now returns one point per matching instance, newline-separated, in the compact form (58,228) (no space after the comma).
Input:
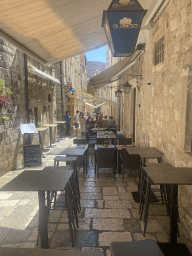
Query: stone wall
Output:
(42,104)
(11,141)
(163,107)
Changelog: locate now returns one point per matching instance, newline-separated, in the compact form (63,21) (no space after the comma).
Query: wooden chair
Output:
(147,247)
(106,158)
(79,141)
(132,162)
(125,141)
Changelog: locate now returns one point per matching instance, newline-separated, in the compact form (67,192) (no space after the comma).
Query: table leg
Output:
(119,162)
(95,161)
(84,165)
(86,160)
(50,135)
(43,217)
(60,130)
(173,215)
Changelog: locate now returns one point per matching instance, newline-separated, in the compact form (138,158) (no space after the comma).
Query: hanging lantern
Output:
(122,22)
(69,83)
(118,93)
(127,87)
(72,91)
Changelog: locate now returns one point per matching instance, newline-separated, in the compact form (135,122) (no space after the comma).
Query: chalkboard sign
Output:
(32,155)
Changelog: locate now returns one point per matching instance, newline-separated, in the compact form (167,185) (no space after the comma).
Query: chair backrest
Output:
(100,141)
(79,141)
(106,157)
(93,133)
(130,161)
(125,141)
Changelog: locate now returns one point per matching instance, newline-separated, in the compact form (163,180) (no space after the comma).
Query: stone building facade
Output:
(41,102)
(94,68)
(75,69)
(157,111)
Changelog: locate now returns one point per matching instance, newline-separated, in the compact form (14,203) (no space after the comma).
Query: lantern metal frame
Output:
(127,87)
(118,29)
(72,91)
(69,83)
(118,93)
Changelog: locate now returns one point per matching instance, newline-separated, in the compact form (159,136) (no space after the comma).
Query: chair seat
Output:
(174,249)
(92,142)
(136,248)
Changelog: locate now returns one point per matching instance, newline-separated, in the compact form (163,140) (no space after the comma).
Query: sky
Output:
(97,55)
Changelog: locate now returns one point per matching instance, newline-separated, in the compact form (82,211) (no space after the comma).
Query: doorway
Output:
(35,115)
(50,114)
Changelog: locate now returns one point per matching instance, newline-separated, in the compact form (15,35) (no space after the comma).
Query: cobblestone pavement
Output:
(108,213)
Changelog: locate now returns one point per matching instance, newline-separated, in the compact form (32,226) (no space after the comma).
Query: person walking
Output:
(76,122)
(82,124)
(67,118)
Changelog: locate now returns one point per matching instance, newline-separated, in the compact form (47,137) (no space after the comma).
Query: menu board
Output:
(32,155)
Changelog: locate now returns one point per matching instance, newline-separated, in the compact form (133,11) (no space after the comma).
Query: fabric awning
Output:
(91,97)
(51,31)
(96,105)
(114,72)
(43,74)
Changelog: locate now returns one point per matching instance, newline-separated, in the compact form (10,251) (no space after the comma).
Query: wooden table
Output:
(50,133)
(41,181)
(145,153)
(172,176)
(60,123)
(102,136)
(79,152)
(6,251)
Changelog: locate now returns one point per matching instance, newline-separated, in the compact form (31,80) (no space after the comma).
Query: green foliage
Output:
(38,124)
(4,89)
(6,118)
(5,95)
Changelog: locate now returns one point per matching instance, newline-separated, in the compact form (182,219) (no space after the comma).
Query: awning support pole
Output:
(26,87)
(61,81)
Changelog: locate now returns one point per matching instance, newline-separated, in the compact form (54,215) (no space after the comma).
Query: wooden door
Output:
(50,114)
(36,115)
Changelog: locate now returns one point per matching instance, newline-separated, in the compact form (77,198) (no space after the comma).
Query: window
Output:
(159,51)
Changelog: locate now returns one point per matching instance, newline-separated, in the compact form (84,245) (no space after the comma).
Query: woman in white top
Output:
(82,123)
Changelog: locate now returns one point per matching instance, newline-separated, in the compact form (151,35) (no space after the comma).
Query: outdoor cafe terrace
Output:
(108,211)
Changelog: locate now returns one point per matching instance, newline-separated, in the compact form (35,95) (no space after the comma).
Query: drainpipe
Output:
(26,87)
(118,108)
(61,81)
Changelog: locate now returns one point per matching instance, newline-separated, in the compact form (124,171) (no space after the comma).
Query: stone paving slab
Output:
(90,189)
(107,213)
(106,238)
(109,191)
(91,195)
(110,198)
(87,203)
(108,224)
(123,204)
